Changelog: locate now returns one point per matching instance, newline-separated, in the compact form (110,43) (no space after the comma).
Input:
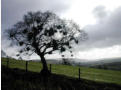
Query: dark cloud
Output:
(100,12)
(13,10)
(106,32)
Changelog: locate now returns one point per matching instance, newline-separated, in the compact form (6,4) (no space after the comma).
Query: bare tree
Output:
(43,33)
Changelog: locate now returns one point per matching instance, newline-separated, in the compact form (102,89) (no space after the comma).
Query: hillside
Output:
(17,79)
(100,75)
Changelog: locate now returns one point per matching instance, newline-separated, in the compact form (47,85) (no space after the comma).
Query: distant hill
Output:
(101,61)
(110,63)
(83,61)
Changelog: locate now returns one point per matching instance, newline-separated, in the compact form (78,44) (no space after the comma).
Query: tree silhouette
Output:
(43,33)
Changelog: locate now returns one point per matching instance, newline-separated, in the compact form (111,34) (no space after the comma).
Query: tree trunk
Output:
(44,70)
(44,64)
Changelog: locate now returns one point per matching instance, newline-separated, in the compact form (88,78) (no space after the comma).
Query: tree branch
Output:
(49,51)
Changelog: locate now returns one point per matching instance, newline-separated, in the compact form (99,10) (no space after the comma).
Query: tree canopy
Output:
(43,33)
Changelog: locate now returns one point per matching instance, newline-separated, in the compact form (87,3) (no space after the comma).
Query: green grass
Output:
(100,75)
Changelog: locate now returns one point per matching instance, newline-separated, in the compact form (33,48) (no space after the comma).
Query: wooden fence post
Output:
(26,66)
(7,62)
(50,67)
(79,73)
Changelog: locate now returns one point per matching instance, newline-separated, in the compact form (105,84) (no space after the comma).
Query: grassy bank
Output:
(108,76)
(17,79)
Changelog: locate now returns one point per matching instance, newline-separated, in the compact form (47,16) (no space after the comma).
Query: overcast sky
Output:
(101,19)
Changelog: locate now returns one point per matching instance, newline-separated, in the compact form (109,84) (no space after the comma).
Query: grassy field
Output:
(108,76)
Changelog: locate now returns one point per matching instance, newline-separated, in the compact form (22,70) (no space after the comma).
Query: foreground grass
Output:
(108,76)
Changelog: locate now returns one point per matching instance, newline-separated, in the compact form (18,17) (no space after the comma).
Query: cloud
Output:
(106,32)
(98,53)
(100,12)
(13,10)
